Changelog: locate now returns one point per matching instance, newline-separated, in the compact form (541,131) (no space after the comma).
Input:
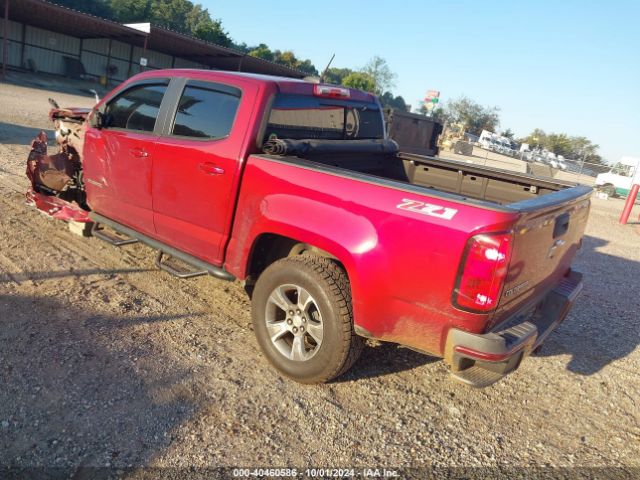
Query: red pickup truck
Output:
(294,188)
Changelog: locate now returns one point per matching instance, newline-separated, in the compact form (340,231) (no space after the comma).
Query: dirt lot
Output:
(105,361)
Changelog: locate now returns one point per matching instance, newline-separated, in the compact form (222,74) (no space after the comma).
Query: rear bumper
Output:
(482,359)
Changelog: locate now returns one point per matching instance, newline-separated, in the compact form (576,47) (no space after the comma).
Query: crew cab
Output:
(293,188)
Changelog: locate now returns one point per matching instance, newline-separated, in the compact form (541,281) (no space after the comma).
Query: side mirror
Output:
(96,119)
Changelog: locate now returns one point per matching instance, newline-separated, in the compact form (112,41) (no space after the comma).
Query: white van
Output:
(619,179)
(486,139)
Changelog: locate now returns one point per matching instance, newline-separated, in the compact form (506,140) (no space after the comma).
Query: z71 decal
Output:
(437,211)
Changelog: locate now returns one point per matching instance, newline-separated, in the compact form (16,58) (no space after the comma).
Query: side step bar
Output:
(200,266)
(98,231)
(175,271)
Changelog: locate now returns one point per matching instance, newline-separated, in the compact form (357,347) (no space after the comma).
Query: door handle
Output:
(211,168)
(139,152)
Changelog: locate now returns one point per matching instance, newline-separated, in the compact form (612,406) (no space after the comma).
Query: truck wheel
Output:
(303,319)
(609,189)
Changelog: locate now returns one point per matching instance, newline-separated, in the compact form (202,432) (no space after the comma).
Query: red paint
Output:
(402,264)
(57,208)
(215,199)
(194,181)
(628,205)
(118,176)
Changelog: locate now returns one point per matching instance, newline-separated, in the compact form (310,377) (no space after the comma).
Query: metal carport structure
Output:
(37,34)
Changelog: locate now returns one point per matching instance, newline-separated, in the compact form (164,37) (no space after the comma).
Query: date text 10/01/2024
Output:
(315,473)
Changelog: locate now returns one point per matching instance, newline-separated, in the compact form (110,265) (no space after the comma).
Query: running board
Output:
(175,271)
(163,248)
(98,231)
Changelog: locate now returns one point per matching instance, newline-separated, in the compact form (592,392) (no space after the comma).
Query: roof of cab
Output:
(284,84)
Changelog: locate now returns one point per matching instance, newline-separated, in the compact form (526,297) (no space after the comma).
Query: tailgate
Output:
(546,239)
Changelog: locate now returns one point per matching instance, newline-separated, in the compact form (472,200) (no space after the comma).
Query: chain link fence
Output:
(470,150)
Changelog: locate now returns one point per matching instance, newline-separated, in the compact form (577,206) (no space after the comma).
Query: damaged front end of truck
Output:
(57,187)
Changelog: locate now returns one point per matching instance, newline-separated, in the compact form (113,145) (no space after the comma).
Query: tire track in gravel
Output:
(87,253)
(189,347)
(101,255)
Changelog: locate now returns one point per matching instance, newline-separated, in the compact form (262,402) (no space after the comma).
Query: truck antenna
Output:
(327,68)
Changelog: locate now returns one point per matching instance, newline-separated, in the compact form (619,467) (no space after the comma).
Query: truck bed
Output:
(469,181)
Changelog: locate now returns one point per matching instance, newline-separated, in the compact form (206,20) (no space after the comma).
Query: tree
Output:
(508,133)
(383,78)
(535,139)
(131,11)
(100,8)
(262,51)
(571,147)
(185,17)
(201,25)
(440,114)
(307,67)
(286,57)
(359,80)
(212,32)
(242,47)
(180,15)
(472,115)
(388,100)
(560,144)
(336,75)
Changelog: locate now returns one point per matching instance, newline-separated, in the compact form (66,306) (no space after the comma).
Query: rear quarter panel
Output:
(402,264)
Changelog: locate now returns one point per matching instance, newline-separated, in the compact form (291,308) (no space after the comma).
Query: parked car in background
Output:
(561,162)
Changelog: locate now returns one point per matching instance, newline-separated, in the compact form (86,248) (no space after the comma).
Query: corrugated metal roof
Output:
(49,16)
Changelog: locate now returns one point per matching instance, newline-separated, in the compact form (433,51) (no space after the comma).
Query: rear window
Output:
(300,117)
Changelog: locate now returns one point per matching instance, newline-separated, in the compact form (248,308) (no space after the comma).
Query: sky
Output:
(565,66)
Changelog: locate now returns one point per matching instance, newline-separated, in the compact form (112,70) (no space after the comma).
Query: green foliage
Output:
(262,51)
(571,147)
(508,133)
(242,47)
(130,11)
(383,78)
(439,114)
(201,25)
(307,67)
(359,80)
(388,100)
(472,115)
(287,58)
(180,15)
(336,75)
(100,8)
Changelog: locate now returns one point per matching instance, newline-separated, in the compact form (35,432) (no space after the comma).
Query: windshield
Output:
(300,117)
(624,170)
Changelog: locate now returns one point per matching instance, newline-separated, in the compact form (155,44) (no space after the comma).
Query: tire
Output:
(317,343)
(609,189)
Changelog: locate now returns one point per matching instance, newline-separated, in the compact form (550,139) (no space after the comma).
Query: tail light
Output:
(482,272)
(330,91)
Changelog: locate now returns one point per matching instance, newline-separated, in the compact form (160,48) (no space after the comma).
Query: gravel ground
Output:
(105,361)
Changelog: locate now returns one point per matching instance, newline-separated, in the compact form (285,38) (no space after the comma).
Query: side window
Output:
(624,170)
(206,112)
(136,108)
